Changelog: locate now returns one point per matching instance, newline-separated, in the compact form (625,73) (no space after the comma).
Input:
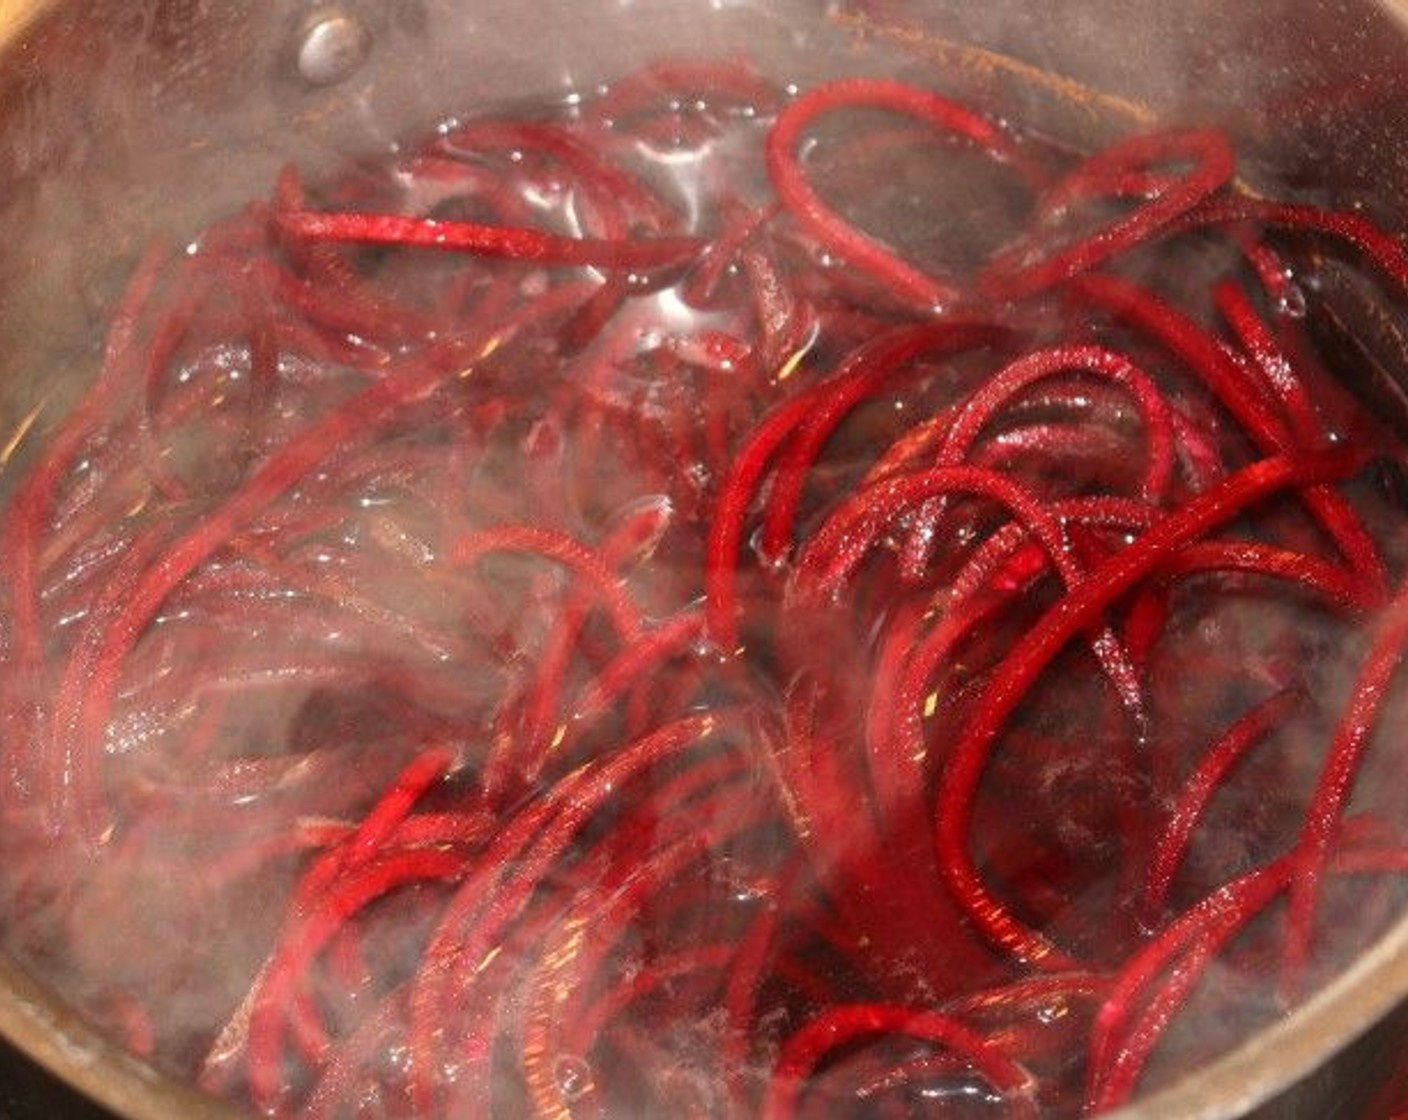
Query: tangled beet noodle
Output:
(637,608)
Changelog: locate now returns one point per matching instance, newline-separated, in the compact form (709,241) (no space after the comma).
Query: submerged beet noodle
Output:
(605,612)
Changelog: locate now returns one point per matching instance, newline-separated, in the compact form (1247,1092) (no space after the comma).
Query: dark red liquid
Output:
(710,599)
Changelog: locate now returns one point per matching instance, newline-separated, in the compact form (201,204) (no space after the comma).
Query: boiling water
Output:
(414,705)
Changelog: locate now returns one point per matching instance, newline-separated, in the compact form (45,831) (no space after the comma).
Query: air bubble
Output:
(333,47)
(573,1077)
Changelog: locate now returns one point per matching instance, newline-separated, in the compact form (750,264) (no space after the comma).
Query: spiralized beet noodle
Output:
(611,614)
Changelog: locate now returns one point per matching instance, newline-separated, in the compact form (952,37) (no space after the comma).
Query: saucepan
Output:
(125,123)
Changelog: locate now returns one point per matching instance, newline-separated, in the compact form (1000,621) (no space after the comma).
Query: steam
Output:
(335,637)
